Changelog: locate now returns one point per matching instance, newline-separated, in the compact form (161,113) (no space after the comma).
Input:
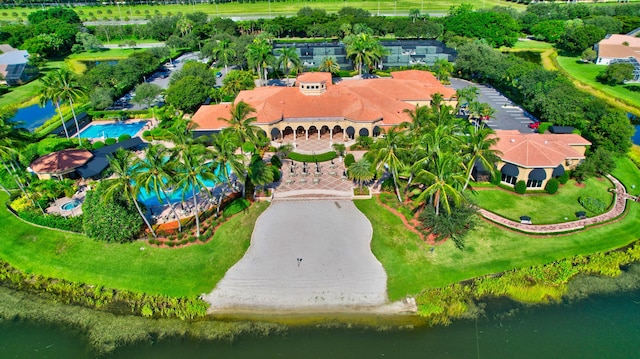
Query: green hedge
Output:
(73,224)
(322,157)
(593,204)
(521,187)
(552,186)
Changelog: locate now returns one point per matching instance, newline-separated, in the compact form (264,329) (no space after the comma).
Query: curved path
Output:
(620,202)
(337,271)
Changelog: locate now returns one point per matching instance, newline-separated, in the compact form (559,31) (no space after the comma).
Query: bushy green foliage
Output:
(616,74)
(455,225)
(496,28)
(564,178)
(495,179)
(349,160)
(97,145)
(322,157)
(124,137)
(552,186)
(236,206)
(44,147)
(520,187)
(110,141)
(73,224)
(114,221)
(593,204)
(275,161)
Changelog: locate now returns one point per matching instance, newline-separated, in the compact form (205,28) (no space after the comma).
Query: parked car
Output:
(534,125)
(218,74)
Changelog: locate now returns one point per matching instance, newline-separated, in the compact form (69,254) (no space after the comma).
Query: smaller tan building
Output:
(536,158)
(60,163)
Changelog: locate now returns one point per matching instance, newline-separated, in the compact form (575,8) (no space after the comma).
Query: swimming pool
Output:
(112,130)
(175,196)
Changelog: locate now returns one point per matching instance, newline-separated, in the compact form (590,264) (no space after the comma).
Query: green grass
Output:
(177,272)
(586,73)
(76,61)
(544,208)
(265,8)
(627,173)
(411,267)
(19,95)
(529,45)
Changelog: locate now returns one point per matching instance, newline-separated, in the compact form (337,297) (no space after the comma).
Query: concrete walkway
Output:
(337,271)
(620,201)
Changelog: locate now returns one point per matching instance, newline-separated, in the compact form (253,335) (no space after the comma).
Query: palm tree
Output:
(359,50)
(414,14)
(223,151)
(155,174)
(441,183)
(329,64)
(259,56)
(49,92)
(466,95)
(259,173)
(122,185)
(191,174)
(360,171)
(241,123)
(12,139)
(288,57)
(70,89)
(386,151)
(224,52)
(478,148)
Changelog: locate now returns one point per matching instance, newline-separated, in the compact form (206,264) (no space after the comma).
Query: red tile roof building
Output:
(60,163)
(535,158)
(316,105)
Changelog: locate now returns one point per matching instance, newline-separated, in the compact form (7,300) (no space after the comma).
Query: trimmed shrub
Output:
(322,157)
(593,204)
(552,186)
(564,178)
(349,160)
(521,187)
(110,141)
(97,145)
(275,161)
(124,137)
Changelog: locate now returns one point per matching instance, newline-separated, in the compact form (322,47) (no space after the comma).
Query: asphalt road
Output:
(508,116)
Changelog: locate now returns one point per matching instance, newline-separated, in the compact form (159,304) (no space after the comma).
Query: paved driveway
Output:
(337,269)
(508,116)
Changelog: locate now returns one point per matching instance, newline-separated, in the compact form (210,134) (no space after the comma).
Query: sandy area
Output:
(337,270)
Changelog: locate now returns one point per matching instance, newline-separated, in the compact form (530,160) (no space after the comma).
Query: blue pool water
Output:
(112,130)
(175,196)
(70,205)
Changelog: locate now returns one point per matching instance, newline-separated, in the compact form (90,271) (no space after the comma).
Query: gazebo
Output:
(60,163)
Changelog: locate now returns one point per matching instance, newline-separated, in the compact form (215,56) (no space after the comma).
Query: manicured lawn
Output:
(187,271)
(586,73)
(265,8)
(23,93)
(489,249)
(544,208)
(531,45)
(627,173)
(76,61)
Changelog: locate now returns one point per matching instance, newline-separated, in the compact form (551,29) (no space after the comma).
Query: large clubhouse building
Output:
(316,108)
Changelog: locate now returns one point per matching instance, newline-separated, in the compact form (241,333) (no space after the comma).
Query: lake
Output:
(595,327)
(34,116)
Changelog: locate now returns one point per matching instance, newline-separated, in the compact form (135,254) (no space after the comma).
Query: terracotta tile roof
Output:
(427,79)
(612,47)
(537,150)
(369,100)
(314,77)
(61,161)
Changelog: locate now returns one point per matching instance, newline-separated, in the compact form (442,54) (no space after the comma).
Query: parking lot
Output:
(508,116)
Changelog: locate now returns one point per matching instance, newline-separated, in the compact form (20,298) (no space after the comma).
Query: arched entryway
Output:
(363,132)
(325,133)
(287,133)
(275,134)
(338,133)
(377,131)
(536,177)
(312,132)
(301,133)
(351,132)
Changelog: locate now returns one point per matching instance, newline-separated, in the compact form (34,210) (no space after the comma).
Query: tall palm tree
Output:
(360,171)
(441,183)
(329,64)
(259,56)
(386,151)
(259,173)
(191,175)
(287,57)
(479,148)
(12,139)
(466,95)
(224,52)
(70,89)
(241,122)
(49,92)
(155,174)
(223,150)
(122,184)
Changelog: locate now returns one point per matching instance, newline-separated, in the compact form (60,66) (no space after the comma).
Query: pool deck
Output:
(149,124)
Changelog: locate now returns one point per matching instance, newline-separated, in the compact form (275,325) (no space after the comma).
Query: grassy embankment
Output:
(411,267)
(264,8)
(544,208)
(176,272)
(75,62)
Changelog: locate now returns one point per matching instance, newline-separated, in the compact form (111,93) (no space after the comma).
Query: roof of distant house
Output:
(14,57)
(370,100)
(537,150)
(6,48)
(61,161)
(613,47)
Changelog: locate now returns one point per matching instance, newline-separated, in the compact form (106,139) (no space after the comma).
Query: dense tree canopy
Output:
(496,28)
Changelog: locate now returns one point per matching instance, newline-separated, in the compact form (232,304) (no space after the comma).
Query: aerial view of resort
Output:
(320,179)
